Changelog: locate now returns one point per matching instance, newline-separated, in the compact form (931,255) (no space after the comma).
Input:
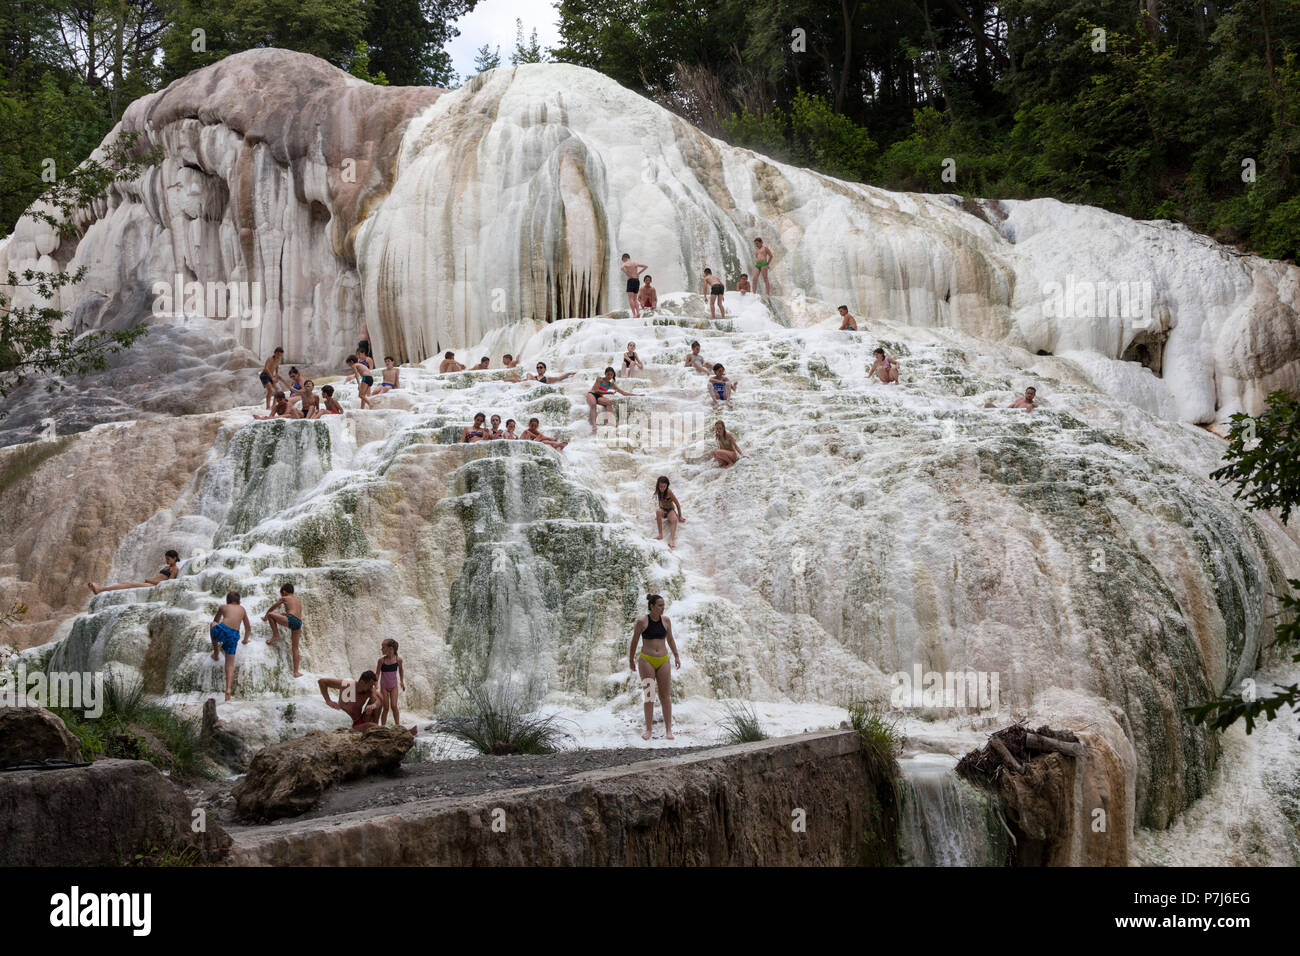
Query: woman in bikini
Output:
(477,431)
(545,377)
(667,508)
(495,431)
(728,452)
(655,632)
(600,395)
(762,259)
(295,384)
(168,572)
(883,368)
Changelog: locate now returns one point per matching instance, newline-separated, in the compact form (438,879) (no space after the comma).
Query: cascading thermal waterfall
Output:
(947,821)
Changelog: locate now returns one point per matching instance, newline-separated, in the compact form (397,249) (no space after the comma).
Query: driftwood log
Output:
(1071,748)
(1009,761)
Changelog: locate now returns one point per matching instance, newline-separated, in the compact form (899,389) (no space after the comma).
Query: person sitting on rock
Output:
(509,361)
(483,365)
(476,432)
(332,406)
(884,368)
(1027,401)
(359,699)
(168,571)
(545,377)
(649,295)
(696,361)
(391,375)
(281,409)
(534,433)
(847,322)
(449,364)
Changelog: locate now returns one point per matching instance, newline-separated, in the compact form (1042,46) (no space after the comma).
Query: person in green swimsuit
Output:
(656,635)
(763,257)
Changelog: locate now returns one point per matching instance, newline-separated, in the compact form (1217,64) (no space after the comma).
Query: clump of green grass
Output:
(881,744)
(27,459)
(114,732)
(740,724)
(496,722)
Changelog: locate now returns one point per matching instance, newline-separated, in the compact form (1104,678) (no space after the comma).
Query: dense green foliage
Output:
(1263,461)
(1172,110)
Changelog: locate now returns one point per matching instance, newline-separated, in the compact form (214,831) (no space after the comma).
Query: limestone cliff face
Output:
(440,218)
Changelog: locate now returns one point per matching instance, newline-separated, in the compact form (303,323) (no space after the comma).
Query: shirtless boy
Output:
(392,378)
(633,272)
(742,284)
(714,289)
(482,365)
(649,296)
(225,634)
(332,407)
(847,322)
(449,364)
(291,618)
(310,400)
(270,374)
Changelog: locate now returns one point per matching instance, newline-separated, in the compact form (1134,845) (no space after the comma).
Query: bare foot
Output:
(296,674)
(214,655)
(227,696)
(659,537)
(94,588)
(670,736)
(646,735)
(272,640)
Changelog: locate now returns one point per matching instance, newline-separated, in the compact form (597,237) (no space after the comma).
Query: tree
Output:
(1263,458)
(407,39)
(487,58)
(530,52)
(33,341)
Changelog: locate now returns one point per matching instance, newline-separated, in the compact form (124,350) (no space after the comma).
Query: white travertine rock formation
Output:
(438,218)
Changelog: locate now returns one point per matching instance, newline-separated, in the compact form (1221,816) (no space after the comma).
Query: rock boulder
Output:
(111,813)
(33,733)
(287,779)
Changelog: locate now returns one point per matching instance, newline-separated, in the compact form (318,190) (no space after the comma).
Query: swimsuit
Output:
(760,265)
(368,379)
(720,389)
(629,359)
(604,389)
(717,289)
(226,636)
(387,676)
(696,360)
(295,622)
(633,285)
(473,433)
(654,631)
(666,505)
(264,378)
(166,574)
(542,379)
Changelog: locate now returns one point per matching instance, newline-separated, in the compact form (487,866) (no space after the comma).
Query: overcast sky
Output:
(493,22)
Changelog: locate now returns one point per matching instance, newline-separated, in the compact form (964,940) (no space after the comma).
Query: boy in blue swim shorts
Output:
(225,634)
(291,618)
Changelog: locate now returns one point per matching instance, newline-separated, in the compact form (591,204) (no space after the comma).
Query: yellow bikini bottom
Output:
(655,662)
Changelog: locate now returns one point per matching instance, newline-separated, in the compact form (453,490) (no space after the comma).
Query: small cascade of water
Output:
(947,821)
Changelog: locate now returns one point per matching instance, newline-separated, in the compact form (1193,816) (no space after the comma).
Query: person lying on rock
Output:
(168,571)
(359,699)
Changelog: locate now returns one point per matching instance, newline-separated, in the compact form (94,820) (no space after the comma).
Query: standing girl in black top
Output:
(656,634)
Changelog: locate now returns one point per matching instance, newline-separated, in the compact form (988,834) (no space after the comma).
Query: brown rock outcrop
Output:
(288,778)
(33,733)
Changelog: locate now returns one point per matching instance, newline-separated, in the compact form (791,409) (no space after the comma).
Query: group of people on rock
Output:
(641,294)
(298,398)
